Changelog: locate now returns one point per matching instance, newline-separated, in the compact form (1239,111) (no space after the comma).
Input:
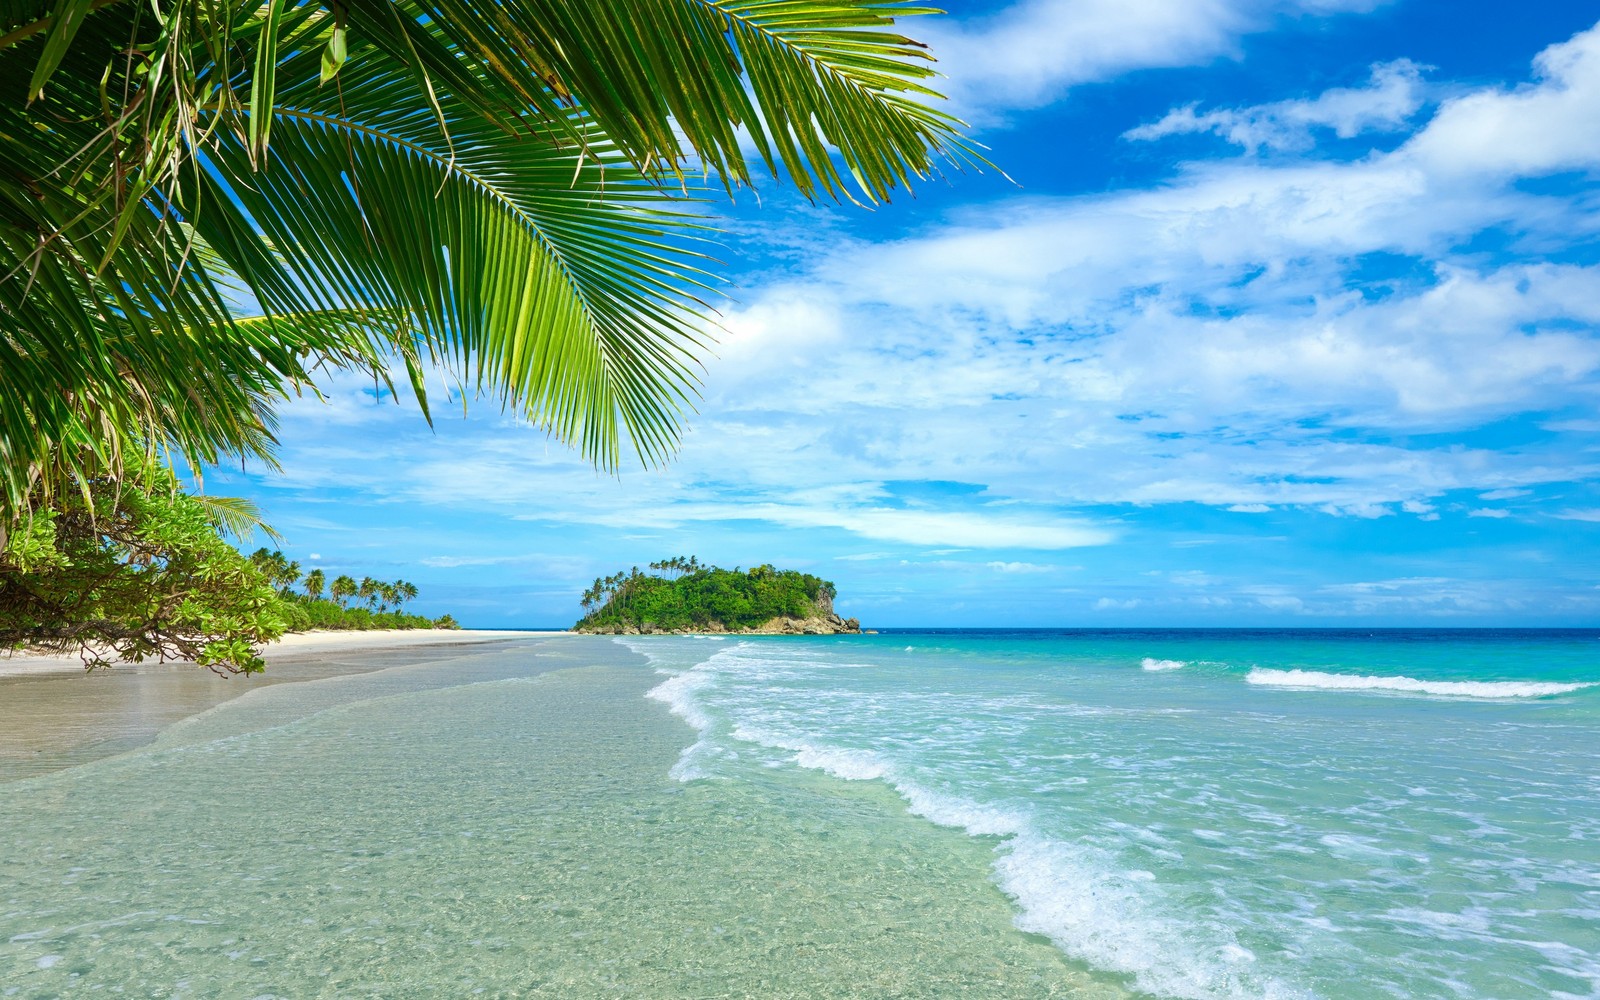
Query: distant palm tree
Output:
(313,583)
(368,591)
(343,588)
(277,568)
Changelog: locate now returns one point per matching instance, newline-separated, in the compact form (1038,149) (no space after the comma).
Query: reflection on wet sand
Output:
(59,719)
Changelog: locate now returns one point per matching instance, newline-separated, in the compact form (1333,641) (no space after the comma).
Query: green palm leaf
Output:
(479,184)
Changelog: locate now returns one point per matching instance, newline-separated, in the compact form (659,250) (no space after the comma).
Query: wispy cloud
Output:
(1591,514)
(1020,567)
(1031,52)
(1391,97)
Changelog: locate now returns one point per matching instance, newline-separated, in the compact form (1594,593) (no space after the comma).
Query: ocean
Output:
(948,813)
(1231,813)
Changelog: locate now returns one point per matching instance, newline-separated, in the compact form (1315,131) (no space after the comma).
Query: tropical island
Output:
(683,596)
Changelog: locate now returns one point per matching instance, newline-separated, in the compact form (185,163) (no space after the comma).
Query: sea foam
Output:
(1077,895)
(1409,685)
(1082,897)
(1151,663)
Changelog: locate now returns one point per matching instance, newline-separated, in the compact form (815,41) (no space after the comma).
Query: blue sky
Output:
(1290,318)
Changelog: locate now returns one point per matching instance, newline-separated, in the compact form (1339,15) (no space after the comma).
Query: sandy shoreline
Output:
(22,665)
(53,714)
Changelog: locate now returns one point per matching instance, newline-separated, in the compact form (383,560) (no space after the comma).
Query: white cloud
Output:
(1392,95)
(1528,131)
(1031,52)
(1431,596)
(1363,510)
(1489,512)
(1111,604)
(1193,342)
(1280,602)
(1586,514)
(1020,567)
(1503,494)
(969,530)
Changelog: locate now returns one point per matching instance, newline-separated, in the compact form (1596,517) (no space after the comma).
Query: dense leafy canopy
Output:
(697,597)
(132,569)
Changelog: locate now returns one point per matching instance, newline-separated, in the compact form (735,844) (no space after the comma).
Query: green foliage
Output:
(134,569)
(699,596)
(325,614)
(500,189)
(381,602)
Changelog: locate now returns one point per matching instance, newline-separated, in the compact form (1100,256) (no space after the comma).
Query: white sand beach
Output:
(55,714)
(32,665)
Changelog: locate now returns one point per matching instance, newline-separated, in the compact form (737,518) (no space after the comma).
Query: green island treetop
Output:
(682,595)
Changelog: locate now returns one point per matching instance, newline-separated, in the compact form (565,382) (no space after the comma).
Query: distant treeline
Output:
(349,604)
(683,594)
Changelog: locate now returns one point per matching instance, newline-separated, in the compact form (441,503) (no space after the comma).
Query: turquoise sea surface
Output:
(1218,813)
(1187,814)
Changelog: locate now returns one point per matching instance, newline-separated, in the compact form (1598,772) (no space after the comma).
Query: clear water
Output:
(499,824)
(1216,814)
(1093,815)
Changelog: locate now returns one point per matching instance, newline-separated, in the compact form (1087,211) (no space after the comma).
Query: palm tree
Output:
(342,589)
(314,583)
(368,591)
(277,568)
(496,190)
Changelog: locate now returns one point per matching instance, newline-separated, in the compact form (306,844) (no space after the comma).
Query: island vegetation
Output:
(682,595)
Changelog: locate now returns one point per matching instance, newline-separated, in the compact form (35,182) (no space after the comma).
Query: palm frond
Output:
(474,183)
(236,516)
(817,84)
(545,274)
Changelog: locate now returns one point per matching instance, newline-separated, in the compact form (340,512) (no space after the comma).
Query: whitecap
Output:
(1316,679)
(1151,663)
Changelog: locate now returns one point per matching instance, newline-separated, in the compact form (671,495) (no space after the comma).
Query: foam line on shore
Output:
(1079,896)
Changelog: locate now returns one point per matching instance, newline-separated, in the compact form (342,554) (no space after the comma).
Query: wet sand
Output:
(54,715)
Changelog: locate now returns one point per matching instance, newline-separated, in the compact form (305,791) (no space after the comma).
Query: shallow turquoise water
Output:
(499,824)
(1093,815)
(1223,814)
